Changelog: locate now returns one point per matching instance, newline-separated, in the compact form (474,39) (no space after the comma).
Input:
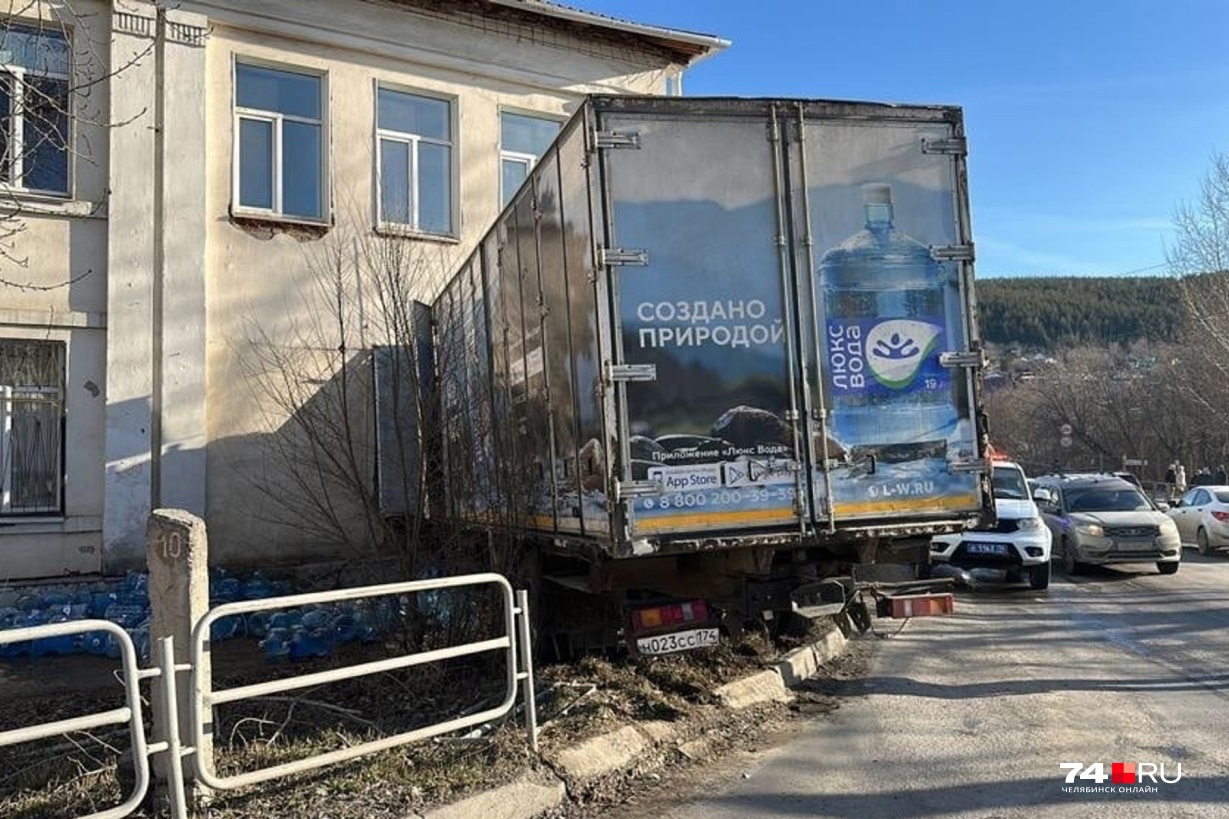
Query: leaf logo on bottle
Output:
(896,350)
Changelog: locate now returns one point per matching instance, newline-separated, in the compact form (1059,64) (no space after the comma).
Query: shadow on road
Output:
(908,687)
(1038,793)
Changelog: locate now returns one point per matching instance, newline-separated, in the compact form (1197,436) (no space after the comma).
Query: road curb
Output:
(803,662)
(525,798)
(599,755)
(766,686)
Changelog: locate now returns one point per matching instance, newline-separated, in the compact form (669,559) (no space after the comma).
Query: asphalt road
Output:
(970,715)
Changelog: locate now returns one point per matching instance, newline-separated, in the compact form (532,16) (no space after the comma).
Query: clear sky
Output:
(1088,120)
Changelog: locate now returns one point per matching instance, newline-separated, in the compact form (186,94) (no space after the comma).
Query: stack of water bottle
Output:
(308,631)
(295,633)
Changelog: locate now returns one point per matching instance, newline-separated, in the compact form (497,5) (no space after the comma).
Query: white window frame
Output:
(15,76)
(530,160)
(414,140)
(277,120)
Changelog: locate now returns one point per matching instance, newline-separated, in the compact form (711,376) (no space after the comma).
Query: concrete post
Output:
(178,555)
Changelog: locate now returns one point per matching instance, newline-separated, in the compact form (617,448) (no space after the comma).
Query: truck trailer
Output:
(713,352)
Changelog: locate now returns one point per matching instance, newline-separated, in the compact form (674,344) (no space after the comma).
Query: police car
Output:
(1018,542)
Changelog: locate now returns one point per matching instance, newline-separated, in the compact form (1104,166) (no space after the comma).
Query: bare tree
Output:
(314,374)
(1117,403)
(55,66)
(1199,258)
(351,376)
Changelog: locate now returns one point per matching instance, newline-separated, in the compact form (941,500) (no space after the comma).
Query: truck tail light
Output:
(674,614)
(915,605)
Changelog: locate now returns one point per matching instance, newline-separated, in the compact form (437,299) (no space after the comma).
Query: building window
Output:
(34,108)
(415,161)
(279,142)
(31,426)
(522,139)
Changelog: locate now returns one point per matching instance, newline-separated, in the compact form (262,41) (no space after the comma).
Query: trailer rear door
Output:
(885,266)
(705,365)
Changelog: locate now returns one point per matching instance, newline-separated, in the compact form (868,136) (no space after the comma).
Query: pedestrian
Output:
(1171,474)
(1180,478)
(1220,477)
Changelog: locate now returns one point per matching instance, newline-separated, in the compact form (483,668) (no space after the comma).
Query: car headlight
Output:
(1028,524)
(1090,529)
(1169,528)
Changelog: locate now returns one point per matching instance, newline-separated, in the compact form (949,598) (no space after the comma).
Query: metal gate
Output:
(130,714)
(514,644)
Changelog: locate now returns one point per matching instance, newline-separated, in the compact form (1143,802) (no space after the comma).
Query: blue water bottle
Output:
(886,322)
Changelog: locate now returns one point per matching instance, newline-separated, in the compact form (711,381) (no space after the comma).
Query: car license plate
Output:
(986,548)
(1134,545)
(677,641)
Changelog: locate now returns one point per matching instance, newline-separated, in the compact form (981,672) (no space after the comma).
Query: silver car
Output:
(1097,519)
(1202,517)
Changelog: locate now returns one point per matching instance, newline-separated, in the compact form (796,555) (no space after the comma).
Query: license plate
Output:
(677,641)
(986,548)
(1134,545)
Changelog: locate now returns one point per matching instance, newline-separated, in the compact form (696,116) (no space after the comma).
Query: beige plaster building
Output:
(172,172)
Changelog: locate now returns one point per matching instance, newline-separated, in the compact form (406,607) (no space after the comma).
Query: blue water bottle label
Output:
(881,357)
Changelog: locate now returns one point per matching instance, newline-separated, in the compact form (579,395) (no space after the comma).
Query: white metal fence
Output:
(514,644)
(129,714)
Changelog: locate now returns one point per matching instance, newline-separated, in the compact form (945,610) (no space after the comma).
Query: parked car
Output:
(1202,517)
(1018,542)
(1097,519)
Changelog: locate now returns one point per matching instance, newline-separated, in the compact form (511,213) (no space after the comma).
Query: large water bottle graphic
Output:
(886,323)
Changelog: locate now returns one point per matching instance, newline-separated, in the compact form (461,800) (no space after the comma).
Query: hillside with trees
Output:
(1062,312)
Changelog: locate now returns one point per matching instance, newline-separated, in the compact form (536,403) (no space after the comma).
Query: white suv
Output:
(1018,542)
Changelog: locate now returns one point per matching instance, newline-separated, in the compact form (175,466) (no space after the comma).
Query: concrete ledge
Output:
(658,731)
(797,665)
(831,646)
(600,755)
(802,663)
(525,798)
(766,686)
(696,749)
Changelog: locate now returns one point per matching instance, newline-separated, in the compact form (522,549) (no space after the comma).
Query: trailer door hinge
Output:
(632,372)
(637,489)
(952,253)
(610,256)
(955,146)
(962,358)
(616,139)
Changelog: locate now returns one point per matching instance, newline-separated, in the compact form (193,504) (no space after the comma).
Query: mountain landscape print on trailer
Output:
(711,428)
